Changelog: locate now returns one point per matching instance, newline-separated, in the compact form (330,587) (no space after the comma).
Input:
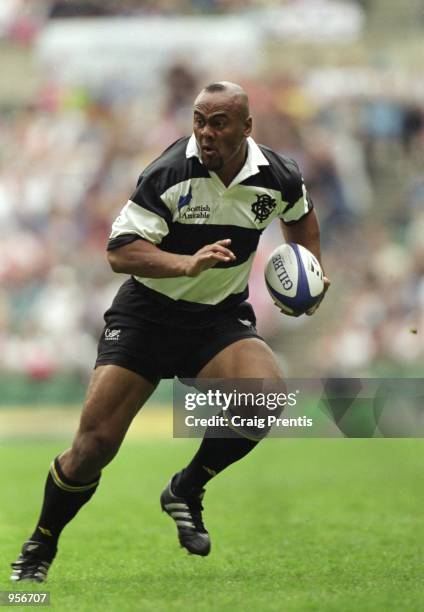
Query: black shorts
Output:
(156,351)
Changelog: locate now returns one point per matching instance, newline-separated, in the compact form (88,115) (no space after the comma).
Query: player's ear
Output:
(248,126)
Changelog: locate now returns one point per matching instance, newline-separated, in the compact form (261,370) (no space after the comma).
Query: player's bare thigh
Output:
(246,358)
(114,397)
(251,359)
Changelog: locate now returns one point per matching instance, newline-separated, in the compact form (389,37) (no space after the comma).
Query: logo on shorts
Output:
(263,207)
(246,323)
(112,334)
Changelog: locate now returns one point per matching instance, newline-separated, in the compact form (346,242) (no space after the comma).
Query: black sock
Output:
(213,456)
(62,500)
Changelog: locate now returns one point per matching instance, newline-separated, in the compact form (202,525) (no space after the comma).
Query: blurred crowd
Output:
(70,159)
(22,19)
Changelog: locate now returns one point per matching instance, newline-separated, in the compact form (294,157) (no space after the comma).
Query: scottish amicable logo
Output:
(193,211)
(184,200)
(263,207)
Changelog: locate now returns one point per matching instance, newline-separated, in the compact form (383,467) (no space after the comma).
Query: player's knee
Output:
(94,448)
(257,404)
(101,444)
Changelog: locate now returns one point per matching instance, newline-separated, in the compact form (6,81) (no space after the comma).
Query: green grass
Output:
(326,525)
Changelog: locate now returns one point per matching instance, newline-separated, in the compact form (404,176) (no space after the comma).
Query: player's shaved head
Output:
(221,126)
(234,93)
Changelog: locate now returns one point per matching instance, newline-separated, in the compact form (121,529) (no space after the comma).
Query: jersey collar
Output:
(255,158)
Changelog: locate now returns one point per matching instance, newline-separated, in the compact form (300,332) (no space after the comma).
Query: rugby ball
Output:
(294,278)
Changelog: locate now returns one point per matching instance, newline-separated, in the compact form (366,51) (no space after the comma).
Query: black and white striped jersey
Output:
(180,206)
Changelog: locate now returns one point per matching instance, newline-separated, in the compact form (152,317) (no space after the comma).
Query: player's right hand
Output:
(208,256)
(327,283)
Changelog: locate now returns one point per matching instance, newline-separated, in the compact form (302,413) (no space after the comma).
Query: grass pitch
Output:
(325,525)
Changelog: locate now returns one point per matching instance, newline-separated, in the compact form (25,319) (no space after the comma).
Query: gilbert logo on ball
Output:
(294,278)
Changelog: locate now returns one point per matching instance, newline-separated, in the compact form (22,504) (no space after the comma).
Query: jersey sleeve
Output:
(295,196)
(144,216)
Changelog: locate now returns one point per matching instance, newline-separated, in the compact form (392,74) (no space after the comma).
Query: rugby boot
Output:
(33,563)
(186,511)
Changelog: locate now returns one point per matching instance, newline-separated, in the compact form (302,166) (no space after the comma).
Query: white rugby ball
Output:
(294,278)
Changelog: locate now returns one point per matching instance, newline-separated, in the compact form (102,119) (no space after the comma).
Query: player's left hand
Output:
(327,283)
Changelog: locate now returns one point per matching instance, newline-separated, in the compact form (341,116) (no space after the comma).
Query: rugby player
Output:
(187,238)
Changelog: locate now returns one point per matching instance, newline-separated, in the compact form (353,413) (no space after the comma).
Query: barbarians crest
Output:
(263,207)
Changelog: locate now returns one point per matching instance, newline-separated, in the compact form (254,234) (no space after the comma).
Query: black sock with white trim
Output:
(62,500)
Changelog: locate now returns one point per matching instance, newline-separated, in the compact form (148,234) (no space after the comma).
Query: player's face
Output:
(220,128)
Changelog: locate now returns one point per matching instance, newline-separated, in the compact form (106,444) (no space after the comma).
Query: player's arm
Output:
(305,232)
(299,221)
(142,258)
